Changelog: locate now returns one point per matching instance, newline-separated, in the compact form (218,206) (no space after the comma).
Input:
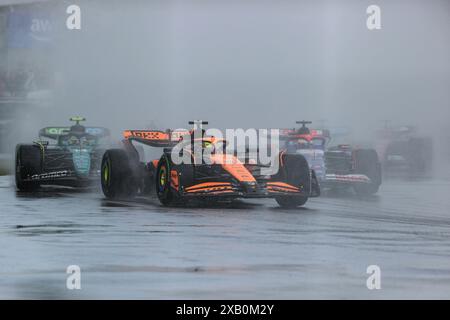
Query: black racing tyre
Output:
(117,175)
(162,179)
(291,202)
(294,170)
(367,163)
(28,162)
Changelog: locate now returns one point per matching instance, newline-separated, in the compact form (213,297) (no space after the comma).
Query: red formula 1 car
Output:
(222,177)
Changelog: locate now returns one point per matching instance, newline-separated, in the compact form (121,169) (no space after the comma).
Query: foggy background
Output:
(136,64)
(236,63)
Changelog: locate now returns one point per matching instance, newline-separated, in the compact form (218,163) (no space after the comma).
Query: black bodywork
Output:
(73,159)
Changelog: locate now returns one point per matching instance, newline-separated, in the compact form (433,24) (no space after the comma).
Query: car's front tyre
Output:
(162,180)
(291,202)
(28,162)
(295,171)
(367,163)
(117,176)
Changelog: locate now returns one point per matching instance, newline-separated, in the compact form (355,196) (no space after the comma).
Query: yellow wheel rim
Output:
(106,173)
(162,176)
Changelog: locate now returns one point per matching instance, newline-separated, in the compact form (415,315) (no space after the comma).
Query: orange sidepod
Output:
(233,166)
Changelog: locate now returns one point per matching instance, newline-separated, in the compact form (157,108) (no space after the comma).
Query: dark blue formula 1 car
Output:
(68,156)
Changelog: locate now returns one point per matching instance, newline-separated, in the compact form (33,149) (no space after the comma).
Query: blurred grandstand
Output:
(26,75)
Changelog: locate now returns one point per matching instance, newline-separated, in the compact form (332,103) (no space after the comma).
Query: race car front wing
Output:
(62,174)
(245,190)
(347,178)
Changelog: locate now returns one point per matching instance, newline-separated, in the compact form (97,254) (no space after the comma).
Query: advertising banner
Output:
(28,28)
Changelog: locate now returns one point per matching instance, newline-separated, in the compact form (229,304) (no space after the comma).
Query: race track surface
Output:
(250,249)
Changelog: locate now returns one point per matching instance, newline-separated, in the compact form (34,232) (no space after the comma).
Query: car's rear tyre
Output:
(117,175)
(162,179)
(367,163)
(28,162)
(294,170)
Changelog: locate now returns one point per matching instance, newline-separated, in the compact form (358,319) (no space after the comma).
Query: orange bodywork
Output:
(282,187)
(216,187)
(208,185)
(174,182)
(233,166)
(155,163)
(177,135)
(291,133)
(213,190)
(146,134)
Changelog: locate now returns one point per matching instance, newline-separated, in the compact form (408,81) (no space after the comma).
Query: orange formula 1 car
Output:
(223,177)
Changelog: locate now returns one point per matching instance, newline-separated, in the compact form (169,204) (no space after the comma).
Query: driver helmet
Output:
(73,140)
(302,144)
(303,130)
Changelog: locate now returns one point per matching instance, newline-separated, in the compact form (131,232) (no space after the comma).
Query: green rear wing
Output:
(55,132)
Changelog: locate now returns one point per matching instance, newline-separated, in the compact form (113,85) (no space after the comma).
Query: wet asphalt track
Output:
(246,250)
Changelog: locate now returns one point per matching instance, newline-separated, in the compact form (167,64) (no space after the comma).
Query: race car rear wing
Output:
(55,132)
(156,138)
(314,133)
